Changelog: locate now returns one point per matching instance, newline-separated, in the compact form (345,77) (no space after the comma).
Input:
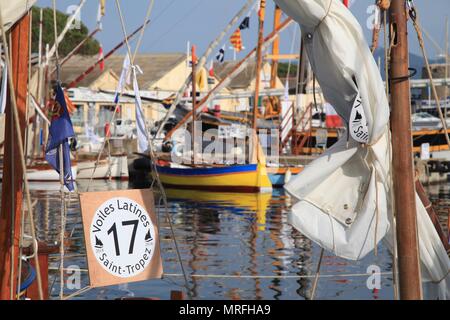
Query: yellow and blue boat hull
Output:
(235,178)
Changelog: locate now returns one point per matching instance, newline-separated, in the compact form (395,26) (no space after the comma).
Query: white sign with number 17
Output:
(121,238)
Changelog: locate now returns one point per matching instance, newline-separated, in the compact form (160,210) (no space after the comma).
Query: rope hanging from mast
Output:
(383,6)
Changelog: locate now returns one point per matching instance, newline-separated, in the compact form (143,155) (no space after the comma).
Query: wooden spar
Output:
(66,28)
(111,52)
(222,81)
(194,99)
(402,161)
(275,48)
(202,61)
(262,15)
(11,202)
(77,48)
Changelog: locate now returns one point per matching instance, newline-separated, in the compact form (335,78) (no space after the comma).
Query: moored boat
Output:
(279,176)
(44,172)
(115,168)
(237,178)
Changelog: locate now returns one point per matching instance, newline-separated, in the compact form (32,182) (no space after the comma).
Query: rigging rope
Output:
(61,164)
(316,278)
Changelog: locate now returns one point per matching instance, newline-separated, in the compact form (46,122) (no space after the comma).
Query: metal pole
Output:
(404,191)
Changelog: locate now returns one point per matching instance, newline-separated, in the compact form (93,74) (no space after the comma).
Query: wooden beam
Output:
(11,202)
(279,57)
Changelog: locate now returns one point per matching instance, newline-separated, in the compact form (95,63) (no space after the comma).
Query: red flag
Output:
(236,40)
(211,69)
(101,58)
(346,3)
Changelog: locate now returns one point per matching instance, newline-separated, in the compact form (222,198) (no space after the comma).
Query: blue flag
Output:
(59,132)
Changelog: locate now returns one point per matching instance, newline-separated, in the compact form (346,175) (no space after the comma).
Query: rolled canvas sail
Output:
(344,196)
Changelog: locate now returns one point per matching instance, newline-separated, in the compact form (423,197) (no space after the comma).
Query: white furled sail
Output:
(12,11)
(344,195)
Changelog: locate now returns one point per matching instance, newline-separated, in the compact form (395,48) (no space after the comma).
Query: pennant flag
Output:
(4,88)
(69,104)
(124,78)
(211,69)
(142,134)
(221,55)
(245,24)
(236,40)
(101,58)
(59,132)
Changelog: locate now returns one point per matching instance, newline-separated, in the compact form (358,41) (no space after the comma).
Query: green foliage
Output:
(72,38)
(283,70)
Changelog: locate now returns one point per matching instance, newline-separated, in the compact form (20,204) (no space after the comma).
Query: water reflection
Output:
(244,237)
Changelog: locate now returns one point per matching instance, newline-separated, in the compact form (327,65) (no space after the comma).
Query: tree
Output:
(72,38)
(283,68)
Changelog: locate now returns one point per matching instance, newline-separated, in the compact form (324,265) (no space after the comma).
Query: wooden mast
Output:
(275,48)
(262,14)
(11,202)
(402,161)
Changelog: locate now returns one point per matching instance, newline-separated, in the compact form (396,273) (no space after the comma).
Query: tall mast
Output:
(275,48)
(12,196)
(262,14)
(403,170)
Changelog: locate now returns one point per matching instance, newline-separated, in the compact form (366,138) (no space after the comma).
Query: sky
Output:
(175,22)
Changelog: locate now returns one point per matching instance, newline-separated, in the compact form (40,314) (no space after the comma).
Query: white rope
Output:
(216,276)
(258,276)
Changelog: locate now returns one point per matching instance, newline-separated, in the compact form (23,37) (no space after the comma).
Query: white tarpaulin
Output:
(344,195)
(13,10)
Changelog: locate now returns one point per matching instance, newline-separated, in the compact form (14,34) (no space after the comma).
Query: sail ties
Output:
(325,16)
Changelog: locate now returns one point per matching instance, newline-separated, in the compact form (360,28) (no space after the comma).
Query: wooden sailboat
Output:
(251,177)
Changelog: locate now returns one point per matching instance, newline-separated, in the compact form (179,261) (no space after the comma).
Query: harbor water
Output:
(233,246)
